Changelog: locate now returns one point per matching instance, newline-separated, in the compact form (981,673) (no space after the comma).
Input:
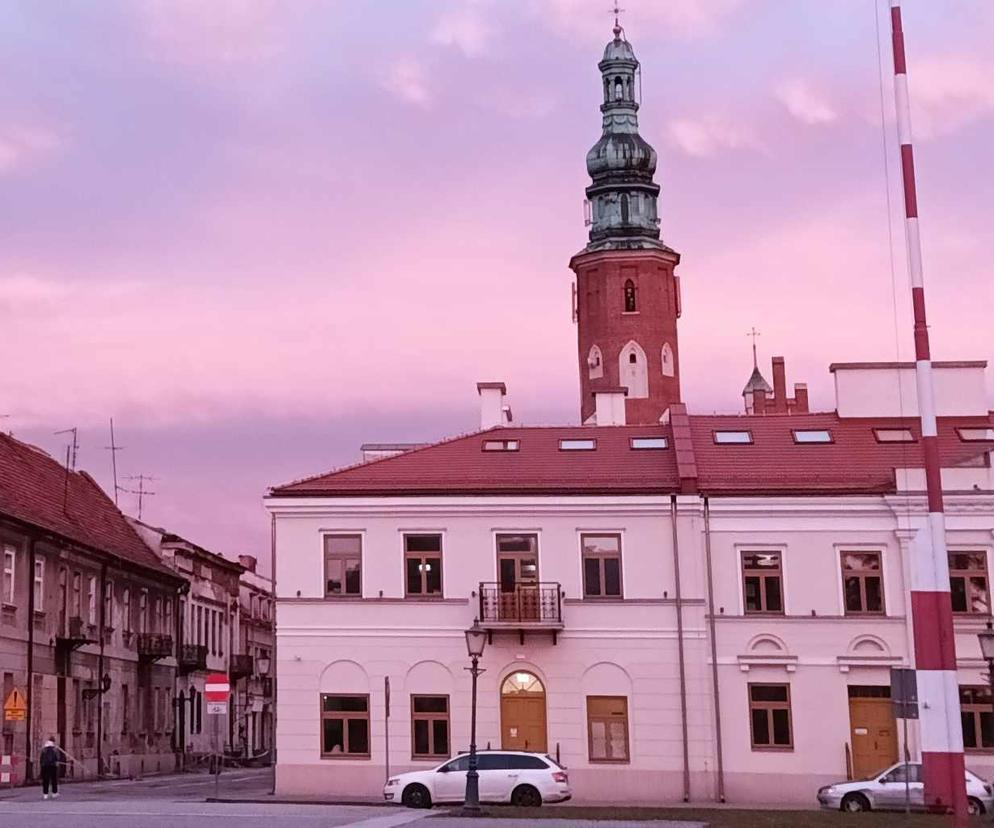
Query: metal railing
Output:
(537,603)
(192,657)
(242,664)
(154,645)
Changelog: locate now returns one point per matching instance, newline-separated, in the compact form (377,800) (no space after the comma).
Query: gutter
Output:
(680,652)
(714,651)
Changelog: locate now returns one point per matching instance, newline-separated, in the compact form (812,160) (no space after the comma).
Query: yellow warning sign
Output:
(15,709)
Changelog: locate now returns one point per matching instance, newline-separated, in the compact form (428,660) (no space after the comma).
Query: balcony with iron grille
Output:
(242,665)
(72,634)
(192,657)
(521,607)
(154,646)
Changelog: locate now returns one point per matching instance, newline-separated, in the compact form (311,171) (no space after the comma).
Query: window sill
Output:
(772,749)
(337,757)
(610,761)
(10,608)
(440,757)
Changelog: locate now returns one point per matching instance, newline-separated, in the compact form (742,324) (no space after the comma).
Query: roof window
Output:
(649,443)
(812,435)
(976,435)
(500,445)
(577,445)
(893,435)
(733,437)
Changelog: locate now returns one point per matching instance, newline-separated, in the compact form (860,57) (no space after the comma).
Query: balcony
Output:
(192,657)
(241,666)
(521,608)
(153,646)
(72,635)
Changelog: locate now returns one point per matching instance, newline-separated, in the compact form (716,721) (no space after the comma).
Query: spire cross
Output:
(754,333)
(616,11)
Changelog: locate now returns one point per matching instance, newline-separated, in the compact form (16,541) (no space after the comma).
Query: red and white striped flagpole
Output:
(931,609)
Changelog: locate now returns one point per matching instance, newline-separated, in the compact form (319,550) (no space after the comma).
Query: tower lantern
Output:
(627,295)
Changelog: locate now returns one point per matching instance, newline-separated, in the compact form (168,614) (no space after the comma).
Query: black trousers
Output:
(50,778)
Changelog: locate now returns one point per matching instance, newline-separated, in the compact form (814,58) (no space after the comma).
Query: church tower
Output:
(627,298)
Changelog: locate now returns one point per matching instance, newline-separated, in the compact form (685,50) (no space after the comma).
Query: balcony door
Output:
(517,572)
(522,713)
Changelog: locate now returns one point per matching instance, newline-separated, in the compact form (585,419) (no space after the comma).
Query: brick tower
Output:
(627,296)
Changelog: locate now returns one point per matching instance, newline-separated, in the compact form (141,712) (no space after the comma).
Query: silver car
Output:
(887,790)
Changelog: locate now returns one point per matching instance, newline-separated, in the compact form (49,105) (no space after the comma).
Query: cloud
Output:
(707,136)
(22,147)
(464,29)
(669,19)
(22,291)
(950,92)
(806,104)
(406,78)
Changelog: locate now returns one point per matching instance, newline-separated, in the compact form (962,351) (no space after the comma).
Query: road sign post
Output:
(904,697)
(217,690)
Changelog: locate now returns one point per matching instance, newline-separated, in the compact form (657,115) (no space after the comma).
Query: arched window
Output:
(632,371)
(607,90)
(619,89)
(595,363)
(669,365)
(624,208)
(630,304)
(522,684)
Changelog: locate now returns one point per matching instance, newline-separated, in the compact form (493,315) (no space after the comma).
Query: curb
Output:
(273,800)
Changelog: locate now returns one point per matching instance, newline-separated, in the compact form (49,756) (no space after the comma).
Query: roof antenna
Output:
(141,491)
(74,446)
(113,448)
(754,333)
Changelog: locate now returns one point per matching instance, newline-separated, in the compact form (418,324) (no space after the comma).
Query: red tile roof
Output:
(33,491)
(853,462)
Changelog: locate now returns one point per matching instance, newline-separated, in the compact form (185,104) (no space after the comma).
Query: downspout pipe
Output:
(680,650)
(100,672)
(28,761)
(275,660)
(714,651)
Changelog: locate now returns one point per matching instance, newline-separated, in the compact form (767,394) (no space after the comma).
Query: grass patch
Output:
(728,818)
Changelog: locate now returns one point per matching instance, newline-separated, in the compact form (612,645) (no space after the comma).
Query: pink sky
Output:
(259,233)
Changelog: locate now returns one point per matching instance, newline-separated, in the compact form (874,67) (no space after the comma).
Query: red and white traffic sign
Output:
(217,688)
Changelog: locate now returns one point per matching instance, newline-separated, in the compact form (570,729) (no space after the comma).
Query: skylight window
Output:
(577,445)
(733,437)
(812,435)
(649,443)
(976,435)
(500,445)
(893,435)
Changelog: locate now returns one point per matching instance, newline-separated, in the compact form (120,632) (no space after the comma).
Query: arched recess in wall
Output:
(669,365)
(427,678)
(632,371)
(605,679)
(595,363)
(344,677)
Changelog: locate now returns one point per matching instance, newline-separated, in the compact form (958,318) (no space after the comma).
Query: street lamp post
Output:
(262,665)
(476,641)
(987,651)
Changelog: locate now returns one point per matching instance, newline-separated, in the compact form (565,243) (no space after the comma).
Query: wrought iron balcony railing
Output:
(521,605)
(153,646)
(192,657)
(241,666)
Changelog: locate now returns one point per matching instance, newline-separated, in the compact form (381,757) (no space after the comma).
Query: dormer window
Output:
(643,443)
(577,445)
(893,435)
(733,437)
(812,436)
(631,306)
(500,445)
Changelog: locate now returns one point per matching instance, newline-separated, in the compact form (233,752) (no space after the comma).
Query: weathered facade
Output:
(254,691)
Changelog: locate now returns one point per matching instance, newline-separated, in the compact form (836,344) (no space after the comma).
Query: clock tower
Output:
(627,297)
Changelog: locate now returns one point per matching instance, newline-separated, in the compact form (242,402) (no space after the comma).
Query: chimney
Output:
(800,398)
(609,406)
(758,401)
(779,386)
(247,561)
(492,408)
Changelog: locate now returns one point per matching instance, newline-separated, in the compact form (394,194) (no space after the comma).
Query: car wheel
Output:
(854,803)
(416,796)
(974,807)
(525,796)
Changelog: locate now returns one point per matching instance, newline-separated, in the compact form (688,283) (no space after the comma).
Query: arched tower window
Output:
(595,363)
(625,212)
(632,371)
(619,89)
(669,365)
(607,90)
(630,302)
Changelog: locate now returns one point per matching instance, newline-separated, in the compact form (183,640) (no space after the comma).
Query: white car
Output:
(525,779)
(886,791)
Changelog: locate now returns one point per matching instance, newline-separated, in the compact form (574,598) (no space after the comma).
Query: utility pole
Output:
(141,491)
(113,448)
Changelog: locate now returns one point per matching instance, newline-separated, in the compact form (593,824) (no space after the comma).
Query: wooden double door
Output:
(522,713)
(872,732)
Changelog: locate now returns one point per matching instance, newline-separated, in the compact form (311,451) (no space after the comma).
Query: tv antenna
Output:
(141,491)
(113,448)
(74,445)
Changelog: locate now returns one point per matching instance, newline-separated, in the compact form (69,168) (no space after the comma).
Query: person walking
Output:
(49,760)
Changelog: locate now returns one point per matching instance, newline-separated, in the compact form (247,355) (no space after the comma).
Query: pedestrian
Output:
(50,768)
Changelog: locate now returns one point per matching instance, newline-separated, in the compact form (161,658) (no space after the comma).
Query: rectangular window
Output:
(213,637)
(976,435)
(342,565)
(109,604)
(762,582)
(862,582)
(978,720)
(125,709)
(39,585)
(429,727)
(344,726)
(77,596)
(893,435)
(601,566)
(500,445)
(649,443)
(7,593)
(126,610)
(143,611)
(607,728)
(577,445)
(769,715)
(740,437)
(423,565)
(968,583)
(91,600)
(812,436)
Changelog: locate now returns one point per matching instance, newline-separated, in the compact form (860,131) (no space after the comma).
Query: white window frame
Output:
(91,600)
(39,585)
(885,574)
(762,548)
(9,573)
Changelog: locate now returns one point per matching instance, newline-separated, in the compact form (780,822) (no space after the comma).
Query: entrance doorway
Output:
(872,730)
(522,713)
(517,568)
